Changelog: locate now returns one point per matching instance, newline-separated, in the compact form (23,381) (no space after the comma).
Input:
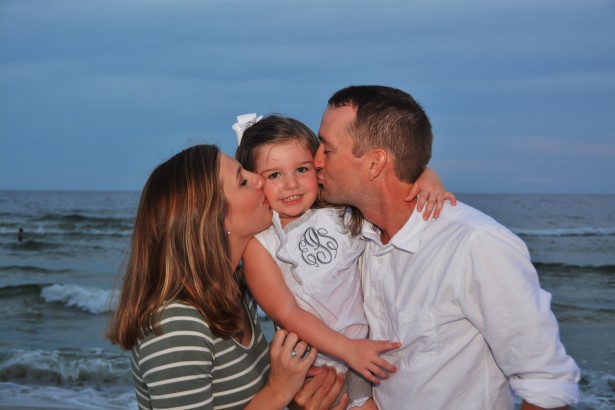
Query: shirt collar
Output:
(407,239)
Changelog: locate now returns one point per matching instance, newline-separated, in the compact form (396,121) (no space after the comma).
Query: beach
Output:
(56,290)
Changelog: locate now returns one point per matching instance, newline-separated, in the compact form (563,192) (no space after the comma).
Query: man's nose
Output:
(319,162)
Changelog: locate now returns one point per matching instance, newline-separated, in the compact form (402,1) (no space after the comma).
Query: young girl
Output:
(302,269)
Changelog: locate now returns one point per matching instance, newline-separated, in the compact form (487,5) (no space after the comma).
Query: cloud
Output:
(510,86)
(558,147)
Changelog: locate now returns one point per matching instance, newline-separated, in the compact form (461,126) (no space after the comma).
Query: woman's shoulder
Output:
(178,324)
(181,334)
(250,303)
(179,308)
(180,316)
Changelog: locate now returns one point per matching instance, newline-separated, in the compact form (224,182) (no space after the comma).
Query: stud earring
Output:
(228,232)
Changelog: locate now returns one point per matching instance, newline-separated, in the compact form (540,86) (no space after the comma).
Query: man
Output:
(458,292)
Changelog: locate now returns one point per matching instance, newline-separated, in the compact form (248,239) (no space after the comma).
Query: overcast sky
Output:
(94,94)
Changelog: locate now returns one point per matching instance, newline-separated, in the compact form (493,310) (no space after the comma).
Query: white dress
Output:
(318,258)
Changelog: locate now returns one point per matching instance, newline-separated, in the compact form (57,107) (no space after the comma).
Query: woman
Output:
(184,310)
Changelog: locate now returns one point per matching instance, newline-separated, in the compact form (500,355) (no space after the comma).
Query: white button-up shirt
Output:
(462,297)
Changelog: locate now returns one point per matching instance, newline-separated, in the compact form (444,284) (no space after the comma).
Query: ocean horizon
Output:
(56,289)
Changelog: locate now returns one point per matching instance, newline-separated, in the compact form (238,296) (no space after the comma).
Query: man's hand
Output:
(320,390)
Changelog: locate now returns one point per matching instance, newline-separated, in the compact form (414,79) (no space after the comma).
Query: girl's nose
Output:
(290,182)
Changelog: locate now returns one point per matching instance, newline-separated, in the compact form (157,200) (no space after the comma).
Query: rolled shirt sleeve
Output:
(499,291)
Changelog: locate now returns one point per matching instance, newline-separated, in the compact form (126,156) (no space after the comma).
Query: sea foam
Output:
(91,300)
(578,231)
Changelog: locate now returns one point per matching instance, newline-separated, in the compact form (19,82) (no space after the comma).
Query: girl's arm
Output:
(270,291)
(430,191)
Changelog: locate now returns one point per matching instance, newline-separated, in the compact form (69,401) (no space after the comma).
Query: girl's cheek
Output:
(270,190)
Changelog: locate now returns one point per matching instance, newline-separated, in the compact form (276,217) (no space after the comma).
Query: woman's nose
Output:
(259,182)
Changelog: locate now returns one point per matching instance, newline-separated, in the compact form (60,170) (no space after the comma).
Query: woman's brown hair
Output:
(179,250)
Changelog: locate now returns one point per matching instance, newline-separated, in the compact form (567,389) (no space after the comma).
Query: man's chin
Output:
(322,191)
(329,198)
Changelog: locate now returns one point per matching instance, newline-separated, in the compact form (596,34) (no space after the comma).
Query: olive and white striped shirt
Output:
(187,367)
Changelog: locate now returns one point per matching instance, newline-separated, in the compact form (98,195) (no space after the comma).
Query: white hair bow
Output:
(243,122)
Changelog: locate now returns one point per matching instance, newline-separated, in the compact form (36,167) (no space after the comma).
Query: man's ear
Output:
(377,160)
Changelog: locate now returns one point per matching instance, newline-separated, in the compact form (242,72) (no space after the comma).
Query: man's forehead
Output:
(343,111)
(334,121)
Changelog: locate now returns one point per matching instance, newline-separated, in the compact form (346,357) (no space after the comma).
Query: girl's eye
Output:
(244,182)
(274,175)
(302,170)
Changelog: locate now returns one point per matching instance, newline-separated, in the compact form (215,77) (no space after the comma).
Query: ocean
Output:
(56,288)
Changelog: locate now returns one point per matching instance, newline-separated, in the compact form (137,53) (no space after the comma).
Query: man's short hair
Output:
(391,119)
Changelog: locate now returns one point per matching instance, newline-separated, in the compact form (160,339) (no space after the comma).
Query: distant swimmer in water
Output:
(20,235)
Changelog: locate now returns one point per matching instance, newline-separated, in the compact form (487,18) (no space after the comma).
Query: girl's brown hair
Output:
(276,129)
(179,250)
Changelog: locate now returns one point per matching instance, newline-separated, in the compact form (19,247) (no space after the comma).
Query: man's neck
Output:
(389,211)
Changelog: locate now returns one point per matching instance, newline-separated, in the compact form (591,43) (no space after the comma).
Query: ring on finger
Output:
(293,354)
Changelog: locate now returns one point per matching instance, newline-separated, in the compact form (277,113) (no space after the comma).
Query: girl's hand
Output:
(363,355)
(289,367)
(430,191)
(321,390)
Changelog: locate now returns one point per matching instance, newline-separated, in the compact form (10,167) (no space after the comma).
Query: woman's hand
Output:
(320,391)
(289,366)
(431,194)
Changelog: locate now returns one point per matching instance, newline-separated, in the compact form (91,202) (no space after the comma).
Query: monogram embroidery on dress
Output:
(317,247)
